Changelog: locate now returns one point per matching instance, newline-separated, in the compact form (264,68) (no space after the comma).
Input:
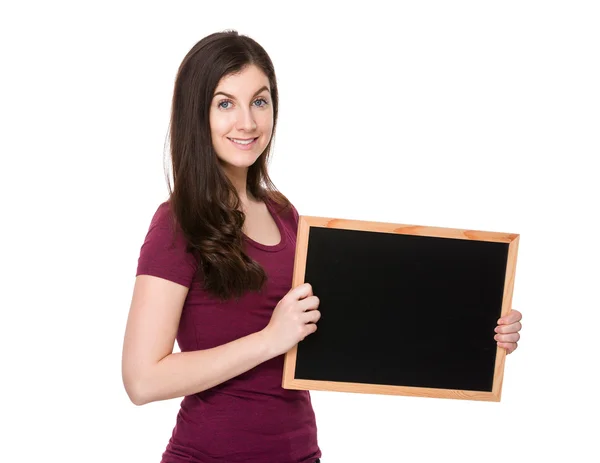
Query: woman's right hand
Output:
(293,319)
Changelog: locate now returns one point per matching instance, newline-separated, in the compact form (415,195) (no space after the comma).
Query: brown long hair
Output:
(204,203)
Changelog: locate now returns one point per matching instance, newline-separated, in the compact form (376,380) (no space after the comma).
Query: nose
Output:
(245,120)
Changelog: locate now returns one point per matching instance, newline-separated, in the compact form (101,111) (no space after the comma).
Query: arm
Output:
(152,372)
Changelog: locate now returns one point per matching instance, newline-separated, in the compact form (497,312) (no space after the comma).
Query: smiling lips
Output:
(243,144)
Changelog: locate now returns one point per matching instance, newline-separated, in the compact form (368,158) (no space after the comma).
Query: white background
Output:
(481,115)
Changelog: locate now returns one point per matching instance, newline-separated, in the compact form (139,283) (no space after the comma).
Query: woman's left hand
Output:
(507,331)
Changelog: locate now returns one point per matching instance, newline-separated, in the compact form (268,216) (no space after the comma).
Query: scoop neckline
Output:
(283,240)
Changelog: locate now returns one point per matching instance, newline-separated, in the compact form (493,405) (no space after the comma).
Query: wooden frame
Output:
(308,223)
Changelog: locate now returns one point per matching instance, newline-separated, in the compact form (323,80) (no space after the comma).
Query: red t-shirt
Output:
(249,418)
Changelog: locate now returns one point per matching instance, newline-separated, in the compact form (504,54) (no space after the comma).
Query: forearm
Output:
(186,373)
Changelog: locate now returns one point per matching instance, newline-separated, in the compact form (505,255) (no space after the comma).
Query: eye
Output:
(223,102)
(265,103)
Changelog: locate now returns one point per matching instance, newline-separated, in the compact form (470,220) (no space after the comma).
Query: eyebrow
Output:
(233,98)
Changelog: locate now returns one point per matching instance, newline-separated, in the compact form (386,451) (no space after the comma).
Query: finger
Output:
(309,303)
(513,337)
(511,317)
(509,346)
(312,316)
(309,329)
(505,329)
(301,291)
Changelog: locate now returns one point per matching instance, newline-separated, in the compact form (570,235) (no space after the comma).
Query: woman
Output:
(215,272)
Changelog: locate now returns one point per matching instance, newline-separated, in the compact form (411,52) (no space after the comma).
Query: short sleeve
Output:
(164,254)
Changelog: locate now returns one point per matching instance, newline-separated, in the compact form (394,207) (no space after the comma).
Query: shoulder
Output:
(163,223)
(286,211)
(163,227)
(162,217)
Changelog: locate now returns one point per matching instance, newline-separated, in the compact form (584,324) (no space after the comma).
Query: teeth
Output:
(242,142)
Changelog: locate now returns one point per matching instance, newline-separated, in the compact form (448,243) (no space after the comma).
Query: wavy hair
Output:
(204,203)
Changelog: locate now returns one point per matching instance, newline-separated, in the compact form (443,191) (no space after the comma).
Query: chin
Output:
(243,165)
(241,159)
(239,162)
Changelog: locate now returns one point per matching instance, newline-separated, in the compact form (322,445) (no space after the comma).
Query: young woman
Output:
(215,273)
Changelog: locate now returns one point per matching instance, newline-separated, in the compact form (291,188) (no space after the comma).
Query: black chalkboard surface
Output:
(405,309)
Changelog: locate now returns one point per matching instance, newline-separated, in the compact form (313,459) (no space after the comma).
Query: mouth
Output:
(243,143)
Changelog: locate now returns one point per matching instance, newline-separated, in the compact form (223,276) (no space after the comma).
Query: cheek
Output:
(220,125)
(265,122)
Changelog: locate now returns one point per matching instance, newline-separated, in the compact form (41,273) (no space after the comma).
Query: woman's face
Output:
(241,117)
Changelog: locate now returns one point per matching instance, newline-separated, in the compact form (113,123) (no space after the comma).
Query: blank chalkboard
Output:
(405,309)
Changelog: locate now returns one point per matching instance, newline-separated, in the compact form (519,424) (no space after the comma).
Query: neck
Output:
(239,178)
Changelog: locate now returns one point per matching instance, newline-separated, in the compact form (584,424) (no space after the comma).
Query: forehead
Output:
(245,82)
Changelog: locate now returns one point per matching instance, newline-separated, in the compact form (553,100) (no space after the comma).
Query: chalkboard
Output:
(405,309)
